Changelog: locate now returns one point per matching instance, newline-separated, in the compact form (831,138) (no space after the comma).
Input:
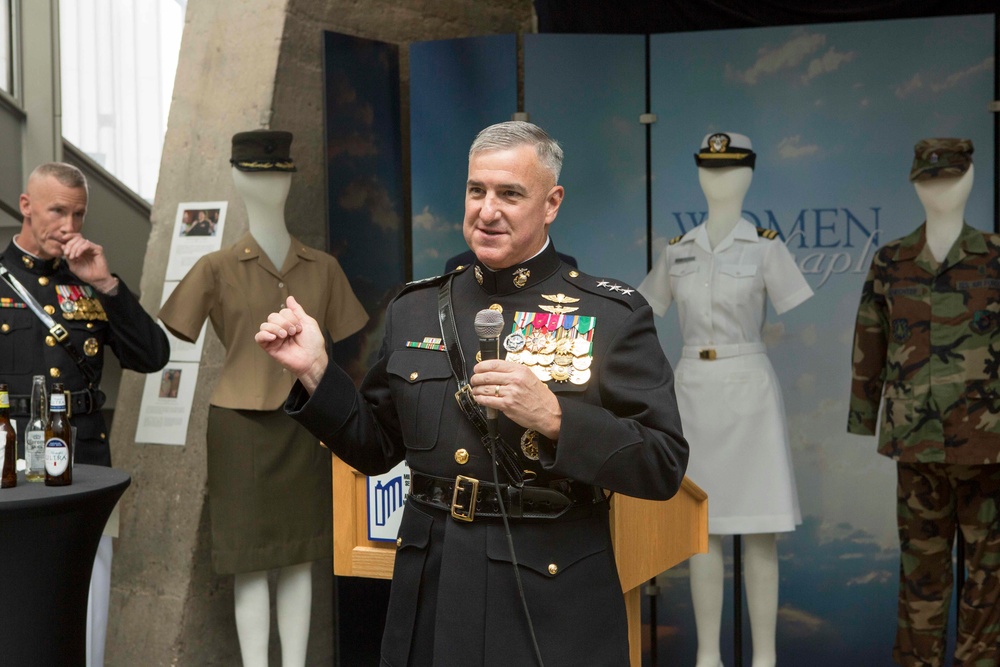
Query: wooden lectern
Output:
(649,537)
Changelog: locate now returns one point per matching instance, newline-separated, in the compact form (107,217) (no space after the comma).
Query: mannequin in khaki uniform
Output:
(264,195)
(231,285)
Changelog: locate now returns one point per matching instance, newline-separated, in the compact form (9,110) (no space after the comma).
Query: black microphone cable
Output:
(489,324)
(513,558)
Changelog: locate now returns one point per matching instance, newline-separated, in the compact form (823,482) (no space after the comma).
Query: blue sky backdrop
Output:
(833,112)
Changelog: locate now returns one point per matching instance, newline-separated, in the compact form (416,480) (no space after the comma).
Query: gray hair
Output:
(514,133)
(66,174)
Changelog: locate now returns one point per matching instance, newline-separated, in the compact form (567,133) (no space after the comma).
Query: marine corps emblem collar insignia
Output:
(521,276)
(479,274)
(36,265)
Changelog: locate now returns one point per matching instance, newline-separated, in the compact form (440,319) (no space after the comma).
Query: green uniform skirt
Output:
(268,491)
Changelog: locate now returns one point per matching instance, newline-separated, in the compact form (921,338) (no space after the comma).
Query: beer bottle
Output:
(8,443)
(58,441)
(34,434)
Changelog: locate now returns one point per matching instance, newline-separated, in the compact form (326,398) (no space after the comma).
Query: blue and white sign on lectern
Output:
(386,495)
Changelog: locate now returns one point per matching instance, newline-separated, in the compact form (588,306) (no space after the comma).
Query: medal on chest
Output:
(77,302)
(557,347)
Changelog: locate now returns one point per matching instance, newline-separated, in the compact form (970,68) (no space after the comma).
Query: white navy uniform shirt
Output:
(720,293)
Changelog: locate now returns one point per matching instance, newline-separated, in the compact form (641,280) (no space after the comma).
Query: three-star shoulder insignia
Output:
(769,234)
(623,294)
(674,240)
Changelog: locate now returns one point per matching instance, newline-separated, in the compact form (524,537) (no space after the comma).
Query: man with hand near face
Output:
(89,309)
(585,402)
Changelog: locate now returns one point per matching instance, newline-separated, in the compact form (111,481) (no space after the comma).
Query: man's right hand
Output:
(295,341)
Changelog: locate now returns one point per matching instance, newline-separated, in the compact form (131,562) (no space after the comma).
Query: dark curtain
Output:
(652,16)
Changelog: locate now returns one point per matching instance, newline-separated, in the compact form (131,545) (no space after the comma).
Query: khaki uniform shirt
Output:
(237,288)
(927,339)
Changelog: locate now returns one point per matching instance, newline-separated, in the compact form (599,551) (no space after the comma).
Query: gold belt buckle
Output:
(708,355)
(463,500)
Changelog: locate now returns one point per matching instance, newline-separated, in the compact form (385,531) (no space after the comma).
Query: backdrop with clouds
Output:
(833,112)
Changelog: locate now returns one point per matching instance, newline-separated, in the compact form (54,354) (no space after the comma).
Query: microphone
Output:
(489,324)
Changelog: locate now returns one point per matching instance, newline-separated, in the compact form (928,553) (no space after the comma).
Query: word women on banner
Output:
(840,240)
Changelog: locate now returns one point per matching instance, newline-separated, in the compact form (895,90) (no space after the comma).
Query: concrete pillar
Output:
(244,64)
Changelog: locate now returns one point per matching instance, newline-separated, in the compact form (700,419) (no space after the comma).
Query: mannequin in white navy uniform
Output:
(720,274)
(725,190)
(264,194)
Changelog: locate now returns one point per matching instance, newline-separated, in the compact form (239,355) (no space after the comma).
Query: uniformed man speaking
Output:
(585,404)
(89,309)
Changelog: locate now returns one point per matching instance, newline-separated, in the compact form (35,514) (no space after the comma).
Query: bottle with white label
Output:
(34,434)
(58,441)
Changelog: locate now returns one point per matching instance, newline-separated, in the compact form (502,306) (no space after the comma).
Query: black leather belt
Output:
(81,402)
(468,499)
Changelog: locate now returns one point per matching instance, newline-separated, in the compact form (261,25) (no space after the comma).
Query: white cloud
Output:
(874,577)
(809,335)
(431,222)
(904,90)
(354,145)
(798,622)
(792,147)
(772,333)
(369,195)
(345,100)
(864,103)
(956,78)
(806,383)
(771,60)
(828,62)
(937,85)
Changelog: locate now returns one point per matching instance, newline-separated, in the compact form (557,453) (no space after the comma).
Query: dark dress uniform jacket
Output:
(454,599)
(27,349)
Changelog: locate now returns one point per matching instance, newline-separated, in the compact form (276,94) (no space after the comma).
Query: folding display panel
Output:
(457,87)
(588,92)
(833,112)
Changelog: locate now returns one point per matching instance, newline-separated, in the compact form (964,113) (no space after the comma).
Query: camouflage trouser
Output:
(932,500)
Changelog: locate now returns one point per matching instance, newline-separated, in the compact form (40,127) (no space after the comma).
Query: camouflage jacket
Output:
(927,338)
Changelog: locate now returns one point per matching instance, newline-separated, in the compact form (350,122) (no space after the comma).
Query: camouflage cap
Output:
(725,149)
(940,158)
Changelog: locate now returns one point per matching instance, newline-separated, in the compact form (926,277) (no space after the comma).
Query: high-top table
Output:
(48,538)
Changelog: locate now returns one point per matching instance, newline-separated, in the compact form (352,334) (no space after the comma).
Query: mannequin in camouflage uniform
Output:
(928,339)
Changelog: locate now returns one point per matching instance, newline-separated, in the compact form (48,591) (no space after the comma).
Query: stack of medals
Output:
(78,302)
(555,347)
